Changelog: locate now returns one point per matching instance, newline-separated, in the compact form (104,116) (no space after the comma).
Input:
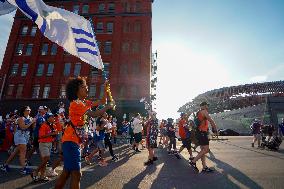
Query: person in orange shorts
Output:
(75,133)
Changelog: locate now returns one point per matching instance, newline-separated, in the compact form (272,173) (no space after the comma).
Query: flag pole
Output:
(103,71)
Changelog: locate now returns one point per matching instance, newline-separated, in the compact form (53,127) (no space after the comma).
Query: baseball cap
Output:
(48,115)
(41,108)
(204,103)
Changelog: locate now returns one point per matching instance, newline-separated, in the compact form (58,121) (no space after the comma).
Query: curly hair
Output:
(72,87)
(22,110)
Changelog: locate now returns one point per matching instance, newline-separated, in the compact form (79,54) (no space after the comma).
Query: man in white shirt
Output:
(137,130)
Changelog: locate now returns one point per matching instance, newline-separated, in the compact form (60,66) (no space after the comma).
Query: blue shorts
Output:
(71,156)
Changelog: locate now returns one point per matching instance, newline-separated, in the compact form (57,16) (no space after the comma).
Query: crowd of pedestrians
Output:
(89,130)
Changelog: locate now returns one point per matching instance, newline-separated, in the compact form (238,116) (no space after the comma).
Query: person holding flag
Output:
(74,136)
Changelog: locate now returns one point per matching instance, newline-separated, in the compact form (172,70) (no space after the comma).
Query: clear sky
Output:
(208,44)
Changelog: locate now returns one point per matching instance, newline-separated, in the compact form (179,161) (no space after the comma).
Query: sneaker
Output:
(207,170)
(193,165)
(114,158)
(103,163)
(51,173)
(155,158)
(88,161)
(177,155)
(170,153)
(252,144)
(138,151)
(25,171)
(149,162)
(191,158)
(44,179)
(5,168)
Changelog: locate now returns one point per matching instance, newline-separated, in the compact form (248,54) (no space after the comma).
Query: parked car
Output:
(228,132)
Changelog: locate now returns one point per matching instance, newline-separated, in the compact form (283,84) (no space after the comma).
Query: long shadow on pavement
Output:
(235,174)
(97,174)
(174,173)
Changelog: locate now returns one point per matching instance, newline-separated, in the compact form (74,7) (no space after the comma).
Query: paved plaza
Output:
(237,165)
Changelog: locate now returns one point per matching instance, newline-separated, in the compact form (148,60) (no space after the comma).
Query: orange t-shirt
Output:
(204,122)
(57,124)
(181,130)
(77,116)
(44,130)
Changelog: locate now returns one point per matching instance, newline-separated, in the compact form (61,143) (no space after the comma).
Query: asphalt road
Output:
(236,164)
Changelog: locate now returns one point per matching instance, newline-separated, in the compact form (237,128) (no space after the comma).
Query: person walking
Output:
(21,139)
(202,136)
(256,128)
(74,134)
(137,130)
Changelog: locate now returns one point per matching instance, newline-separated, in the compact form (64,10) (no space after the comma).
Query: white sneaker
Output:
(51,173)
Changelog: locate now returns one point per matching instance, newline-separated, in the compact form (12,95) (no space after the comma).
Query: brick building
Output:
(36,70)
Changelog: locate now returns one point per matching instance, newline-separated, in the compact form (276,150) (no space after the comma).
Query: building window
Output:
(29,49)
(94,72)
(85,9)
(126,7)
(46,91)
(101,8)
(24,70)
(138,7)
(10,89)
(19,50)
(109,27)
(14,70)
(35,91)
(92,91)
(108,47)
(40,69)
(33,31)
(126,27)
(53,49)
(44,49)
(136,67)
(67,68)
(111,7)
(19,91)
(62,93)
(106,69)
(77,69)
(100,27)
(134,91)
(137,26)
(76,9)
(122,91)
(123,69)
(102,91)
(24,30)
(50,70)
(125,47)
(135,47)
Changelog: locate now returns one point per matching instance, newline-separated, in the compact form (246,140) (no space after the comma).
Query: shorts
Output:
(35,142)
(257,136)
(137,137)
(21,137)
(100,144)
(59,137)
(45,149)
(71,156)
(186,143)
(202,138)
(163,132)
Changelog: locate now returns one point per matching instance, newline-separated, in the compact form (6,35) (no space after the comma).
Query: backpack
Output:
(196,121)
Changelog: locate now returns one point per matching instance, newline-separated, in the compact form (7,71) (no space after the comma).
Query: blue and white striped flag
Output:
(70,31)
(6,7)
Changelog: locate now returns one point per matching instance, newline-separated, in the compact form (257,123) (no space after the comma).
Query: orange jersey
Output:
(204,122)
(77,116)
(181,129)
(57,124)
(45,130)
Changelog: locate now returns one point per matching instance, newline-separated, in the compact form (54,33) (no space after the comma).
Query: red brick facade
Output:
(124,31)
